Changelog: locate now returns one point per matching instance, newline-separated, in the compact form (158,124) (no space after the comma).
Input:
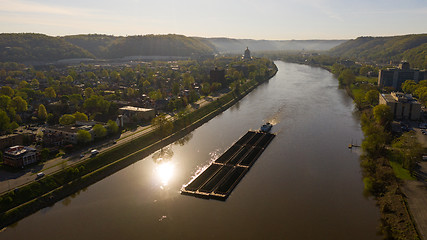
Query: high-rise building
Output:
(395,77)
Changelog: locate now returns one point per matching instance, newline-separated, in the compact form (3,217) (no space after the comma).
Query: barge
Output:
(222,176)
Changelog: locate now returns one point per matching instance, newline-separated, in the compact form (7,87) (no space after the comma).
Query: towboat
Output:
(266,127)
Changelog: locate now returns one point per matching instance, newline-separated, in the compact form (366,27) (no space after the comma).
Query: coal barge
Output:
(221,177)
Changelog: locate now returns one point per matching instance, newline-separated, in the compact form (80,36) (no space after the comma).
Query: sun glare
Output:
(165,172)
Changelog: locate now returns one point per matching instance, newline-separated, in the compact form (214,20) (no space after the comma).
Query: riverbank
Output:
(18,204)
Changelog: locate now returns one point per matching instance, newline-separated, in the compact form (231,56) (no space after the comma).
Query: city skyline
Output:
(269,19)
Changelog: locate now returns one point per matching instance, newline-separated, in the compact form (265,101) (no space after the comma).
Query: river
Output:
(306,185)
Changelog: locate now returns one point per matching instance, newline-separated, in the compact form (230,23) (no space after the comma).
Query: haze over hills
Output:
(412,48)
(229,45)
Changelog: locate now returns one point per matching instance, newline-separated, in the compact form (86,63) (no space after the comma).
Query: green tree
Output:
(4,121)
(23,84)
(35,83)
(80,116)
(8,91)
(371,97)
(19,104)
(50,92)
(89,92)
(67,119)
(5,102)
(99,131)
(206,88)
(382,115)
(42,113)
(95,104)
(112,127)
(409,86)
(13,125)
(175,88)
(83,136)
(164,125)
(44,154)
(346,77)
(409,149)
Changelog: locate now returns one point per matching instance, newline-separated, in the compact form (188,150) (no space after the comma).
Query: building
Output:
(58,135)
(20,156)
(11,140)
(395,77)
(403,106)
(247,55)
(217,75)
(136,114)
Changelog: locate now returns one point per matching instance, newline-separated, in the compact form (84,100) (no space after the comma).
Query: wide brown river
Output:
(306,185)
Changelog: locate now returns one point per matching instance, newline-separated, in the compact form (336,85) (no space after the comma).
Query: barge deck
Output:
(222,176)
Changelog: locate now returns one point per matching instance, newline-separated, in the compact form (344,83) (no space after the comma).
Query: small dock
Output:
(223,175)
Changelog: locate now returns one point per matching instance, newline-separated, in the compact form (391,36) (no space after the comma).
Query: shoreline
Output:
(49,198)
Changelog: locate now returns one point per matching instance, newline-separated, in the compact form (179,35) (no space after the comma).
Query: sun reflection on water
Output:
(165,172)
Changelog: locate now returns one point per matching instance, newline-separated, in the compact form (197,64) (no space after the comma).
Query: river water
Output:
(306,185)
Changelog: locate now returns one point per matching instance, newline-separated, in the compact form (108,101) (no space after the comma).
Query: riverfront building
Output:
(395,77)
(403,106)
(136,114)
(20,156)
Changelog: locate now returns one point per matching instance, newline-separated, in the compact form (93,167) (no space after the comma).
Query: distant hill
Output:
(27,47)
(229,45)
(105,46)
(97,44)
(158,45)
(412,48)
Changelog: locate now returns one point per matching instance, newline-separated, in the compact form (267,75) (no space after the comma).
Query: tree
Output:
(206,88)
(112,127)
(80,116)
(409,149)
(371,97)
(44,154)
(42,113)
(8,91)
(89,92)
(409,86)
(50,92)
(164,125)
(35,83)
(5,101)
(346,77)
(19,104)
(99,131)
(383,116)
(95,104)
(67,119)
(83,136)
(4,121)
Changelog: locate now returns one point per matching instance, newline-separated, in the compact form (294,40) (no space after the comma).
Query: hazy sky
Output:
(255,19)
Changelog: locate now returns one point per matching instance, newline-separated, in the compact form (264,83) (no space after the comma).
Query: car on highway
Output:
(40,175)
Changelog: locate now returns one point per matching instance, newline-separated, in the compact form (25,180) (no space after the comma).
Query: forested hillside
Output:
(412,48)
(30,47)
(97,44)
(24,47)
(158,45)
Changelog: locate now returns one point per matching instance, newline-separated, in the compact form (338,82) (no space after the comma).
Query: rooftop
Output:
(135,109)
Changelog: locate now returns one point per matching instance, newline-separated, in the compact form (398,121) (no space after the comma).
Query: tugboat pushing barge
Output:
(266,127)
(220,178)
